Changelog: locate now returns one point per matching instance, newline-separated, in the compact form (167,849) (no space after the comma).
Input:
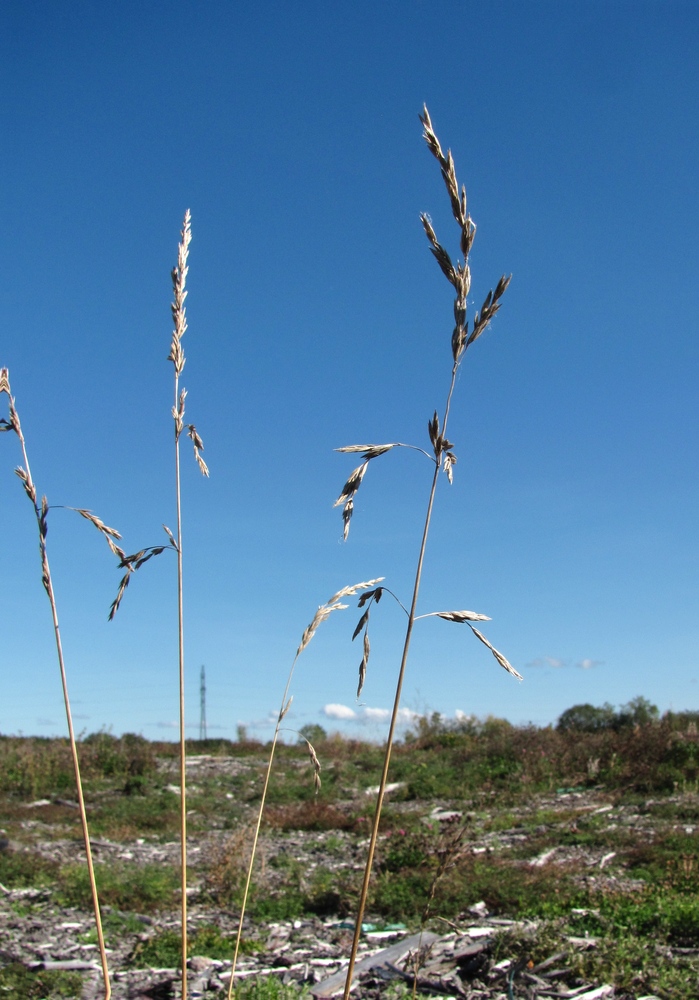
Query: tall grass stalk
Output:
(459,276)
(333,603)
(176,355)
(41,510)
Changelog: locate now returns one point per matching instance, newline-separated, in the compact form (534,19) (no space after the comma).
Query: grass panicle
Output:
(334,603)
(177,356)
(459,276)
(41,511)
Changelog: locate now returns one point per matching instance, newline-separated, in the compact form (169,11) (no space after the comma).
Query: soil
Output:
(458,961)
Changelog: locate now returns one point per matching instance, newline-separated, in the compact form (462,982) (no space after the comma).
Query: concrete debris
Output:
(466,962)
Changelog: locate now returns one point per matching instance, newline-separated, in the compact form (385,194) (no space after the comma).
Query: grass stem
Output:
(41,512)
(323,612)
(459,276)
(179,315)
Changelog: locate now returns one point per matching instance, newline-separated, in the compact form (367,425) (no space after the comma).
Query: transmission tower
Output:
(202,704)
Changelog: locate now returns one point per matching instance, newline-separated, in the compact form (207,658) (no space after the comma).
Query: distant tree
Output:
(313,733)
(638,712)
(587,719)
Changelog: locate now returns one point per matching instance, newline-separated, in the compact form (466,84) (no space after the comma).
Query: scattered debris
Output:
(392,786)
(463,963)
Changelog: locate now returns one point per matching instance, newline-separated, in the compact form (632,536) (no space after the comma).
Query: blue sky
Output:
(317,318)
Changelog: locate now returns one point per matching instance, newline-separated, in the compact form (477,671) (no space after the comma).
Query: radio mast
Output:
(202,704)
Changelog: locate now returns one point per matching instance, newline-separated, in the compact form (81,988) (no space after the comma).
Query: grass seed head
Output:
(503,661)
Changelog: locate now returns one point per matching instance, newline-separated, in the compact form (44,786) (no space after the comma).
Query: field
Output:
(572,844)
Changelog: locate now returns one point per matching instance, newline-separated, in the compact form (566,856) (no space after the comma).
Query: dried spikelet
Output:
(352,484)
(489,308)
(370,450)
(371,595)
(433,429)
(325,610)
(430,136)
(316,766)
(286,708)
(449,463)
(120,593)
(198,447)
(440,254)
(350,488)
(347,512)
(107,533)
(133,562)
(320,616)
(363,665)
(97,521)
(364,620)
(458,616)
(43,532)
(29,487)
(351,591)
(459,276)
(43,520)
(6,425)
(505,663)
(178,413)
(179,281)
(170,536)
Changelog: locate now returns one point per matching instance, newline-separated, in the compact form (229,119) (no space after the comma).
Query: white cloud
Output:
(556,663)
(405,715)
(376,714)
(339,712)
(463,716)
(367,715)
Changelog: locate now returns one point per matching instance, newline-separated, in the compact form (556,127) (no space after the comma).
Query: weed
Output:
(127,816)
(269,988)
(26,868)
(164,949)
(314,815)
(633,965)
(17,981)
(140,888)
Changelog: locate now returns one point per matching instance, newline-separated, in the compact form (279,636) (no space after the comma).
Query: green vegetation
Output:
(268,988)
(39,766)
(518,790)
(16,982)
(141,888)
(163,950)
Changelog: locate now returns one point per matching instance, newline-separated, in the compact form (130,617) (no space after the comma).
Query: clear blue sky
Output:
(317,318)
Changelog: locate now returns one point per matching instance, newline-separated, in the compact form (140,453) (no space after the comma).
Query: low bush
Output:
(16,981)
(140,888)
